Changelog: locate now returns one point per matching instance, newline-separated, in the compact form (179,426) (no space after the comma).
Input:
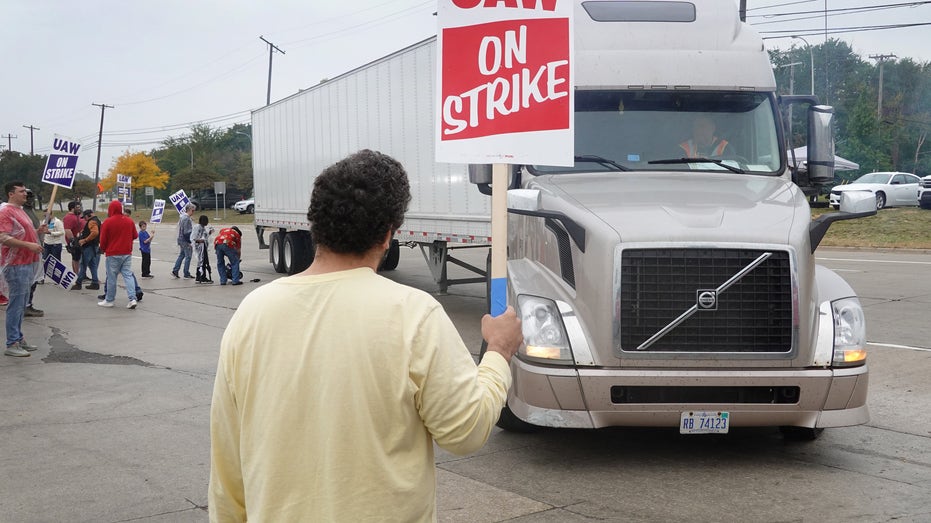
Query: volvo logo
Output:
(706,299)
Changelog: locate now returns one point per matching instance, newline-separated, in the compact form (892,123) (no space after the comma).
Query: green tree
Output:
(850,83)
(26,168)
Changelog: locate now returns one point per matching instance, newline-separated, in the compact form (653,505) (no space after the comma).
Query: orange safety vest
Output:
(691,150)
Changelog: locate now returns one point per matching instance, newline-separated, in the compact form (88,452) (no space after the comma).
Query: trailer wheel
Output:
(392,256)
(508,420)
(275,252)
(295,252)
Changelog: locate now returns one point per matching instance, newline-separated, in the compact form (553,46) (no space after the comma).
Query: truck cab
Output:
(661,283)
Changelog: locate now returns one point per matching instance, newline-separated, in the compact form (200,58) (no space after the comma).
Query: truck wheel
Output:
(392,256)
(508,420)
(275,252)
(295,253)
(800,433)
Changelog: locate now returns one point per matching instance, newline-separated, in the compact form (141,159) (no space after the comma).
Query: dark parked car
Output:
(208,199)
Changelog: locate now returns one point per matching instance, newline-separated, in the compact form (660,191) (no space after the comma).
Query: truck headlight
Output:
(545,336)
(849,332)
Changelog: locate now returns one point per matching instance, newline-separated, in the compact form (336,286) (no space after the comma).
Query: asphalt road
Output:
(108,420)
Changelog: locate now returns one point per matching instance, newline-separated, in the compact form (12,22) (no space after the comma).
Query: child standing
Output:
(200,233)
(145,247)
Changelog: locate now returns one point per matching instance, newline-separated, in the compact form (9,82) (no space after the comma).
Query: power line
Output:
(844,10)
(195,86)
(363,25)
(839,30)
(128,143)
(779,5)
(174,127)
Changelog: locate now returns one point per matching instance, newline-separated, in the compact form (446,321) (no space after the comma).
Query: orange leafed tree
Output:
(141,167)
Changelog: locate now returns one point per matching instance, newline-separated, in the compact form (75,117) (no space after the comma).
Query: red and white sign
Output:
(506,88)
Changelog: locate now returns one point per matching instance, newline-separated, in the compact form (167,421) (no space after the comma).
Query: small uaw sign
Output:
(506,88)
(59,273)
(158,210)
(62,162)
(179,200)
(124,191)
(505,95)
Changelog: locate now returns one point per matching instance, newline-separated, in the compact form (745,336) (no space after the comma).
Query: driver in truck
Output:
(704,143)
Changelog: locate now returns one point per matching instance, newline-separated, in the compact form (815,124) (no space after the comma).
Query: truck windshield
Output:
(673,131)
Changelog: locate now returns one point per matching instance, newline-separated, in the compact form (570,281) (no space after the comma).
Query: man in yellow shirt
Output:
(334,383)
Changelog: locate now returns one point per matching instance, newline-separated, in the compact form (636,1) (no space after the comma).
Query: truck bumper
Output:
(589,398)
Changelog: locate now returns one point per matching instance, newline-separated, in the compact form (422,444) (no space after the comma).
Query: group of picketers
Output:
(195,239)
(28,240)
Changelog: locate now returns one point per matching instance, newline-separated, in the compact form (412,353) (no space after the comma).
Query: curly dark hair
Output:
(358,200)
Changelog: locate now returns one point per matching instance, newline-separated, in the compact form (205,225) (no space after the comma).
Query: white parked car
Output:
(891,189)
(246,206)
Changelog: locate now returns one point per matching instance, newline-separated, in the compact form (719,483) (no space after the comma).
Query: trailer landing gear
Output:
(437,254)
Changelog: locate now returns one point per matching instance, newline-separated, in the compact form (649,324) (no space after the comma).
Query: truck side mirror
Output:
(479,173)
(820,145)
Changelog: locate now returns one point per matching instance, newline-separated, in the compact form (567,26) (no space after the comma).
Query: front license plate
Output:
(702,422)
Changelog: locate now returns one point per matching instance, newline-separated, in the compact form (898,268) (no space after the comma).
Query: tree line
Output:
(886,138)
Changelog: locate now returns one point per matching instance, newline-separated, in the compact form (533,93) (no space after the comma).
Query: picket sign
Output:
(505,96)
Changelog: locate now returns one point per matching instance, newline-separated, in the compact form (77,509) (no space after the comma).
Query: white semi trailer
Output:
(384,106)
(658,285)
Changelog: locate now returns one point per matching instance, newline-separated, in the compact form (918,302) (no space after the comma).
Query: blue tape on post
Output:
(499,296)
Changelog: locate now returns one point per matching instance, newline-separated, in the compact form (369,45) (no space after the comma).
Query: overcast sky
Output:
(168,64)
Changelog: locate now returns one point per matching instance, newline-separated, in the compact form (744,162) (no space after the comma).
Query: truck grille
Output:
(753,315)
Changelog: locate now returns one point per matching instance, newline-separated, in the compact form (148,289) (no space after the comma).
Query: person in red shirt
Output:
(19,263)
(228,244)
(116,241)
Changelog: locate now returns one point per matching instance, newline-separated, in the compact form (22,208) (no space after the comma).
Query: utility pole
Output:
(882,60)
(791,67)
(103,107)
(9,141)
(827,79)
(31,130)
(271,50)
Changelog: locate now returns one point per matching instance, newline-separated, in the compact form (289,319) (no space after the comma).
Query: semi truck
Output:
(658,284)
